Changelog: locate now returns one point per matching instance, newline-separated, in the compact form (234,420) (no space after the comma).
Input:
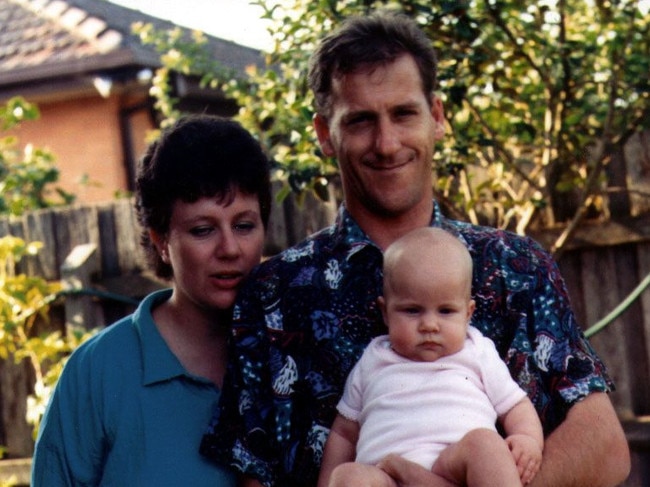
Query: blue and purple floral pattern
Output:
(307,314)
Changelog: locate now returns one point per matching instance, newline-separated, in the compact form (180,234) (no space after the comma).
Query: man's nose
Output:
(387,138)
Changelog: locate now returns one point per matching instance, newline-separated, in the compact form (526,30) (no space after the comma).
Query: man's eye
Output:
(406,113)
(358,120)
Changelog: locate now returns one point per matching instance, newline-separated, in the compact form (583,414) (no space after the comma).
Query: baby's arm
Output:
(525,438)
(339,448)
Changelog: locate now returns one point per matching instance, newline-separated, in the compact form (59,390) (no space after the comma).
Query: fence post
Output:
(77,272)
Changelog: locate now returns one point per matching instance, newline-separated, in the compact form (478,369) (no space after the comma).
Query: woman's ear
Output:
(160,242)
(323,133)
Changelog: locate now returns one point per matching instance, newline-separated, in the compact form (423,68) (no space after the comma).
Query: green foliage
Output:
(25,177)
(180,53)
(24,301)
(537,98)
(540,97)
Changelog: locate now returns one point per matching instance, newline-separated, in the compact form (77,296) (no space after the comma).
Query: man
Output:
(307,314)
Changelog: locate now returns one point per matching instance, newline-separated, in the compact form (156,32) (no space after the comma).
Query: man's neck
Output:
(384,229)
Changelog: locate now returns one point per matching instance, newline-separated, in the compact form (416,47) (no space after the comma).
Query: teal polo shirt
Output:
(126,413)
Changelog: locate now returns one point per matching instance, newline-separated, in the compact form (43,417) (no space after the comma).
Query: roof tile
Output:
(38,38)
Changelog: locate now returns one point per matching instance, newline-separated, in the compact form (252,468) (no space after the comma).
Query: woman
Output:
(132,403)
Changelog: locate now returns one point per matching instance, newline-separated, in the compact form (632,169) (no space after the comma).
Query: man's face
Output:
(382,129)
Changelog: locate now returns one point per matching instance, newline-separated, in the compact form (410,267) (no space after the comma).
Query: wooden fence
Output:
(116,268)
(601,269)
(605,264)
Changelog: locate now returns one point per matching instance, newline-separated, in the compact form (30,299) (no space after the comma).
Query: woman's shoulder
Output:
(121,337)
(109,348)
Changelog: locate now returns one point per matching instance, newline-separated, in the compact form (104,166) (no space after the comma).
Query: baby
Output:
(433,389)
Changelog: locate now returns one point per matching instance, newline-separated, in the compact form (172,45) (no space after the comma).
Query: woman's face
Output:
(211,246)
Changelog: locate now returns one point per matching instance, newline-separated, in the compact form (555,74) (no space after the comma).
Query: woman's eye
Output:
(201,231)
(245,226)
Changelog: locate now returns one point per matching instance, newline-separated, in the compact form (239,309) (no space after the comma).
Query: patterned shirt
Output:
(305,317)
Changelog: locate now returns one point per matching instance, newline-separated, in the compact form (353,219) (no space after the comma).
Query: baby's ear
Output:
(470,309)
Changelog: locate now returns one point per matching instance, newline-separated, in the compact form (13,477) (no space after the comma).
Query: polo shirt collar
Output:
(158,361)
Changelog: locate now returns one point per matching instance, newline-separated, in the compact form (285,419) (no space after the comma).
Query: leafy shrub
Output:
(25,175)
(23,301)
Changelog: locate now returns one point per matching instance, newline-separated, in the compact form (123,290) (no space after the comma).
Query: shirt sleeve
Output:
(504,393)
(241,432)
(567,367)
(351,402)
(69,449)
(523,305)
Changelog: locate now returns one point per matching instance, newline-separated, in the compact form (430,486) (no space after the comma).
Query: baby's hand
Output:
(527,453)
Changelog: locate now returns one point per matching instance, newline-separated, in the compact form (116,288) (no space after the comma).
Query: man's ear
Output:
(438,114)
(323,133)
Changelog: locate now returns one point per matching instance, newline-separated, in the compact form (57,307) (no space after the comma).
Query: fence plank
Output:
(601,297)
(127,231)
(75,225)
(15,385)
(570,267)
(277,232)
(109,257)
(640,324)
(634,350)
(39,226)
(76,273)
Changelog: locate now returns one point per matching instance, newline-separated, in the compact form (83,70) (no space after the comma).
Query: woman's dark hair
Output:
(199,156)
(370,40)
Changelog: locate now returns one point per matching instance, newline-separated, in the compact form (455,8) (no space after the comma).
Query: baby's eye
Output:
(411,310)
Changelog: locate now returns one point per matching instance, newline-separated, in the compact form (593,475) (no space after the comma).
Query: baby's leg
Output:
(481,458)
(360,475)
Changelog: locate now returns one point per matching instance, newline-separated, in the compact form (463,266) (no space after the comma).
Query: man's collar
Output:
(348,233)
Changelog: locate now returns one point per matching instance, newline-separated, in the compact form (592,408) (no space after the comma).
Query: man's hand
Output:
(409,474)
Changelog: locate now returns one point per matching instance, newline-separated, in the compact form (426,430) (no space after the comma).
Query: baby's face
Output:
(427,314)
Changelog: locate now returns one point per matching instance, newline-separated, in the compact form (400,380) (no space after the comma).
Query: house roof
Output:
(57,40)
